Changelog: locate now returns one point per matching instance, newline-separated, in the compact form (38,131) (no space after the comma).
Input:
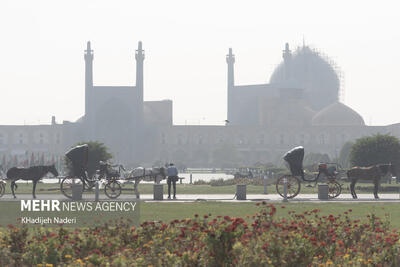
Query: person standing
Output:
(172,173)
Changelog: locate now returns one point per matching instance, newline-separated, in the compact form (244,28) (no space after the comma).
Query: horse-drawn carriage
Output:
(294,159)
(2,188)
(117,178)
(112,178)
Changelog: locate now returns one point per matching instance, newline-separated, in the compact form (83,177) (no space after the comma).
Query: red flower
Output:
(52,234)
(265,246)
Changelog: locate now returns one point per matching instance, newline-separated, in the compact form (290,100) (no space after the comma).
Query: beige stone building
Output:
(299,106)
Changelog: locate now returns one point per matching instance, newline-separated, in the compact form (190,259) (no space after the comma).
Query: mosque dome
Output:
(338,114)
(308,69)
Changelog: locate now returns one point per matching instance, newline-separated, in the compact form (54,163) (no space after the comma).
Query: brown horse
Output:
(374,173)
(34,174)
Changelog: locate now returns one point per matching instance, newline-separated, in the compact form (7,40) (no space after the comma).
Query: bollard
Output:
(285,190)
(158,192)
(323,191)
(265,184)
(190,178)
(96,196)
(241,192)
(77,190)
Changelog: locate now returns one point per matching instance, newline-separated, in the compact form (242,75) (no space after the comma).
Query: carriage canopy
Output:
(78,155)
(294,158)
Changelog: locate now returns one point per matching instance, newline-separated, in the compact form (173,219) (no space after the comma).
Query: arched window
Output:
(220,140)
(163,139)
(21,138)
(200,139)
(261,139)
(241,140)
(323,139)
(281,139)
(179,139)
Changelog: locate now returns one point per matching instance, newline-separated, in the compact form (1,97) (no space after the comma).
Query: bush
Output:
(307,239)
(375,149)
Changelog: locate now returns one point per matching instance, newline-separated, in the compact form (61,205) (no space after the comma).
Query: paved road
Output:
(220,197)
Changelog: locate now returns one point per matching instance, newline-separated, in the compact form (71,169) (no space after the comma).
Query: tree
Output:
(314,158)
(344,155)
(97,152)
(375,149)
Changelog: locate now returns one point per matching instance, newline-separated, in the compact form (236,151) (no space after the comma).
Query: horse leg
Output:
(376,185)
(34,188)
(12,188)
(352,185)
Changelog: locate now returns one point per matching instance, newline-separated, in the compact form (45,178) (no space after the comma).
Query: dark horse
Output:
(374,173)
(34,174)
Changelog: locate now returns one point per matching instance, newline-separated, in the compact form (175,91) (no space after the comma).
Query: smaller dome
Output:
(338,114)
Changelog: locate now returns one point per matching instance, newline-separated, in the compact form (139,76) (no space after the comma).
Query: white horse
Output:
(146,174)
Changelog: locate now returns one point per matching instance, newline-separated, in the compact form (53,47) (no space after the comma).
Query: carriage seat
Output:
(106,168)
(330,171)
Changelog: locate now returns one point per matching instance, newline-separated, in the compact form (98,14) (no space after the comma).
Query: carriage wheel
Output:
(293,186)
(66,185)
(2,189)
(112,189)
(334,189)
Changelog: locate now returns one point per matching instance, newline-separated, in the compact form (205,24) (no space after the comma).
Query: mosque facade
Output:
(299,106)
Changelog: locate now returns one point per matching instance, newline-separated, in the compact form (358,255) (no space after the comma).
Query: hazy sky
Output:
(42,43)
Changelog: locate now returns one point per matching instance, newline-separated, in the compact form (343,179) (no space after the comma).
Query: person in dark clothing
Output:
(172,173)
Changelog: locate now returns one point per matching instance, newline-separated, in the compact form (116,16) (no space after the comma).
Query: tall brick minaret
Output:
(139,55)
(230,59)
(89,91)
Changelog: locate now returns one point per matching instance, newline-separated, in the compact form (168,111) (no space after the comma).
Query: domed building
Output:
(300,106)
(337,114)
(304,84)
(309,70)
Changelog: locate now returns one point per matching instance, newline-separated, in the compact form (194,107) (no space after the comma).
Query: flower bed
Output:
(306,239)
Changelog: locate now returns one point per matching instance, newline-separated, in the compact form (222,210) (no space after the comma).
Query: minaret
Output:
(287,57)
(88,77)
(139,55)
(230,59)
(139,70)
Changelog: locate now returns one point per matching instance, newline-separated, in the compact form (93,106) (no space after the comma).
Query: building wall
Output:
(201,146)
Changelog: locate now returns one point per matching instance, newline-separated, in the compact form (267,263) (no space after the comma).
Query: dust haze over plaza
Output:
(300,101)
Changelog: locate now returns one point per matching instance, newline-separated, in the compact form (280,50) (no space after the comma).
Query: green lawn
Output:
(24,188)
(170,211)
